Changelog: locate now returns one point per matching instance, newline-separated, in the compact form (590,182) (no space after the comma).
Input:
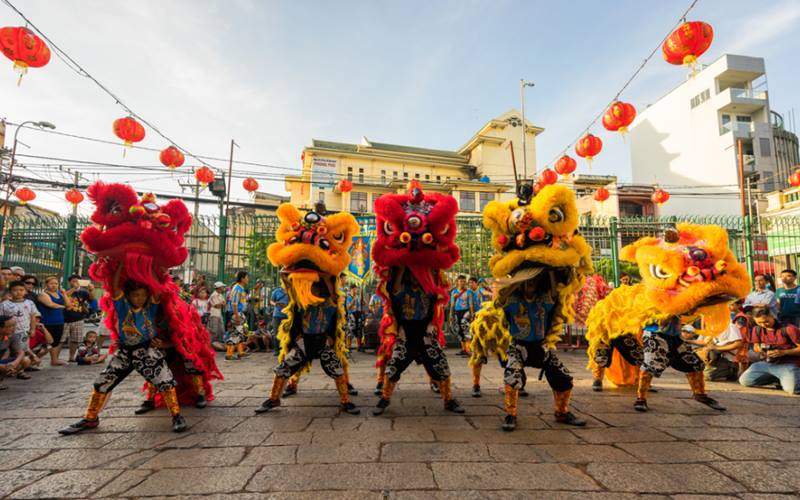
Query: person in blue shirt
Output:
(278,299)
(460,312)
(789,298)
(475,296)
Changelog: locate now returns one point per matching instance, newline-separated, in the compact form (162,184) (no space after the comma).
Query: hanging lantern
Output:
(794,179)
(24,48)
(24,195)
(129,130)
(588,147)
(171,157)
(250,184)
(688,42)
(344,186)
(204,176)
(548,176)
(619,116)
(659,196)
(74,196)
(566,165)
(538,186)
(601,194)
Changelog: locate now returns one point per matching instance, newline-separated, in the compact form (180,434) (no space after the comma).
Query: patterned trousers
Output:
(661,351)
(626,345)
(533,354)
(151,363)
(306,349)
(461,323)
(416,344)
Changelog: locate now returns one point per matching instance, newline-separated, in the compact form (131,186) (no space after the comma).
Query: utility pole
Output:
(230,174)
(522,85)
(748,236)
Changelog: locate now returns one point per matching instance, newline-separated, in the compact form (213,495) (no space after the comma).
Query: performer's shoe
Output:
(569,418)
(267,405)
(79,426)
(597,385)
(523,393)
(709,401)
(380,407)
(476,391)
(201,401)
(378,389)
(350,408)
(179,423)
(463,354)
(232,357)
(290,390)
(435,387)
(640,405)
(351,390)
(510,423)
(454,406)
(652,389)
(147,406)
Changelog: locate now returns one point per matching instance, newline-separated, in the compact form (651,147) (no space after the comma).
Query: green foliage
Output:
(605,268)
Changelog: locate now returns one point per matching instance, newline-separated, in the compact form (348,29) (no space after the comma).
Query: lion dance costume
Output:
(689,274)
(414,244)
(540,263)
(159,335)
(312,251)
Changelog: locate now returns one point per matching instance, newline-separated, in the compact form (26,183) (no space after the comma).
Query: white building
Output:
(690,137)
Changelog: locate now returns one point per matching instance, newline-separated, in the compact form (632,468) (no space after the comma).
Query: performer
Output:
(136,241)
(688,275)
(539,264)
(312,251)
(460,313)
(413,246)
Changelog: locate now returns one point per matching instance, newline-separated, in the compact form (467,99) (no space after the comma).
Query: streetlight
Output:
(522,85)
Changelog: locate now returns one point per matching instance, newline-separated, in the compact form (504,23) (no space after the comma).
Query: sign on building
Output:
(323,172)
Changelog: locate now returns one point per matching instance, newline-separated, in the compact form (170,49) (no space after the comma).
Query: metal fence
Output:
(220,247)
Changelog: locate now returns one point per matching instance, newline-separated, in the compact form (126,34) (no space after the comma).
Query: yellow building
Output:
(479,171)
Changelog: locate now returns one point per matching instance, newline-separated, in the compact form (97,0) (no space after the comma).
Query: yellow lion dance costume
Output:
(688,275)
(312,251)
(539,264)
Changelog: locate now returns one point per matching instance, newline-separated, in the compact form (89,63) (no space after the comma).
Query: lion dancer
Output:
(312,251)
(414,244)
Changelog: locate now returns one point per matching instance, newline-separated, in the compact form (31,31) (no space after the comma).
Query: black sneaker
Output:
(351,390)
(380,407)
(640,405)
(378,389)
(462,354)
(435,387)
(179,423)
(290,390)
(79,426)
(476,391)
(147,406)
(523,393)
(569,418)
(350,408)
(454,406)
(510,423)
(709,401)
(597,386)
(267,405)
(201,402)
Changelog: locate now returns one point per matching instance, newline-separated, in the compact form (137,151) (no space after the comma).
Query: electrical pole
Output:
(522,85)
(230,173)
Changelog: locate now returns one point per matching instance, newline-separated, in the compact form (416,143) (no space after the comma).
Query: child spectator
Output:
(201,305)
(75,314)
(216,324)
(235,339)
(723,354)
(40,341)
(12,355)
(88,352)
(26,317)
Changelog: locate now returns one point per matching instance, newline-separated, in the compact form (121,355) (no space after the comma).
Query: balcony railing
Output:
(748,93)
(739,129)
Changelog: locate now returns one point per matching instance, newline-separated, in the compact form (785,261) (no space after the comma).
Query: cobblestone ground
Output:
(306,449)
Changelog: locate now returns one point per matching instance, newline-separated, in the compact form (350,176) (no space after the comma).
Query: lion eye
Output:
(515,218)
(388,228)
(338,238)
(445,230)
(555,215)
(658,272)
(114,208)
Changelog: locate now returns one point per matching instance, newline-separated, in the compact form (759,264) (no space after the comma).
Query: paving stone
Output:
(434,452)
(649,419)
(579,453)
(370,476)
(270,455)
(715,434)
(762,450)
(780,433)
(372,437)
(517,495)
(219,439)
(775,477)
(204,481)
(55,441)
(662,478)
(122,483)
(195,457)
(76,458)
(353,451)
(141,440)
(273,423)
(523,422)
(669,452)
(68,484)
(749,421)
(622,435)
(432,423)
(490,476)
(14,459)
(15,479)
(498,436)
(282,438)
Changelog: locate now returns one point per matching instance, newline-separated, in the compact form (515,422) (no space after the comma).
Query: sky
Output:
(274,75)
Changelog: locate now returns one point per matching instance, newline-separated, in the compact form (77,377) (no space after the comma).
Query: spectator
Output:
(778,346)
(7,275)
(254,302)
(200,303)
(52,302)
(624,279)
(12,355)
(40,341)
(475,296)
(3,287)
(31,283)
(237,299)
(788,298)
(103,332)
(459,312)
(354,308)
(199,284)
(279,299)
(26,318)
(76,312)
(19,273)
(216,325)
(723,354)
(762,296)
(88,352)
(94,305)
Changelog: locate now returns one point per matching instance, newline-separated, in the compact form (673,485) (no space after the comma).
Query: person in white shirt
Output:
(216,323)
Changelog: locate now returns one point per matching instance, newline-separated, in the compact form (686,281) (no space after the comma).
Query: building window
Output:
(349,173)
(466,201)
(765,146)
(358,202)
(427,177)
(405,176)
(394,175)
(416,176)
(447,178)
(321,196)
(361,176)
(484,199)
(383,176)
(438,179)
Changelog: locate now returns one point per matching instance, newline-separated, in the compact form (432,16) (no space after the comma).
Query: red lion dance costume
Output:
(153,331)
(415,243)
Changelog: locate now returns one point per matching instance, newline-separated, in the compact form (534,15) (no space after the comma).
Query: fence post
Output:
(614,235)
(223,242)
(748,240)
(69,249)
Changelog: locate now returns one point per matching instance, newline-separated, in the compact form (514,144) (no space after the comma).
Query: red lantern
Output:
(129,130)
(548,177)
(24,195)
(345,186)
(171,157)
(74,196)
(794,179)
(618,116)
(24,48)
(204,176)
(250,184)
(566,165)
(659,196)
(588,147)
(601,194)
(687,43)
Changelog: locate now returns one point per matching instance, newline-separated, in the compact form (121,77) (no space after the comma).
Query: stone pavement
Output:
(306,449)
